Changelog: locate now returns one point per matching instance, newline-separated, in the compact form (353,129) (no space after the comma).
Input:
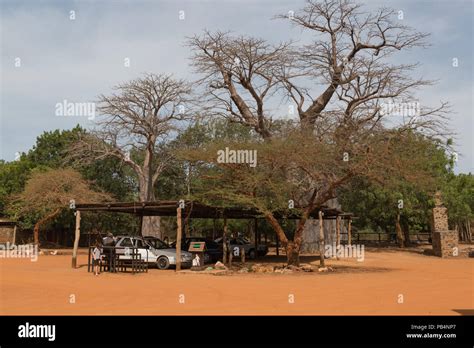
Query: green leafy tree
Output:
(458,196)
(399,205)
(50,192)
(13,176)
(49,152)
(307,170)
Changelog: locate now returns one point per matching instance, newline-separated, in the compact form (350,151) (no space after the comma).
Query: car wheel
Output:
(252,254)
(163,263)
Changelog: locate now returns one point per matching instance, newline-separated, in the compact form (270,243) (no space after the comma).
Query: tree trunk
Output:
(458,228)
(293,248)
(36,234)
(292,254)
(178,239)
(398,229)
(464,230)
(321,240)
(41,222)
(77,235)
(463,227)
(406,235)
(151,225)
(277,228)
(224,242)
(308,117)
(338,233)
(280,234)
(468,231)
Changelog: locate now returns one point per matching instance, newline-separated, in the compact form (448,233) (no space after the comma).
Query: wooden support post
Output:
(224,242)
(76,238)
(213,229)
(141,224)
(256,237)
(242,255)
(277,245)
(178,239)
(184,224)
(89,258)
(231,255)
(14,235)
(321,240)
(338,233)
(349,235)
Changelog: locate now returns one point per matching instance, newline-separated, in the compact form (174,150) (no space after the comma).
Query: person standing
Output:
(96,259)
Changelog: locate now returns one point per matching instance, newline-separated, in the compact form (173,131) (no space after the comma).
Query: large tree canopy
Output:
(49,152)
(346,139)
(294,160)
(134,125)
(458,196)
(48,193)
(345,129)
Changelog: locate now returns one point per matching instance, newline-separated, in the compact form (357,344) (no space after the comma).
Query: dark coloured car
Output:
(236,244)
(213,252)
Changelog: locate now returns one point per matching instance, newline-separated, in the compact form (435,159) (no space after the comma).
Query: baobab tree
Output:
(240,77)
(133,125)
(350,47)
(352,59)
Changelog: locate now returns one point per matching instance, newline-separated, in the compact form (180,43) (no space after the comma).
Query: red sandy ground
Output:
(429,285)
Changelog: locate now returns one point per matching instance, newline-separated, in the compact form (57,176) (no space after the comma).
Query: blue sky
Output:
(79,59)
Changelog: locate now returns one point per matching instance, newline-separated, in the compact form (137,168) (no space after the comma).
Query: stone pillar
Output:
(444,241)
(440,218)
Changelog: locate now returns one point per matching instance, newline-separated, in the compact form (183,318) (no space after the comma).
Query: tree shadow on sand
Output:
(281,260)
(464,311)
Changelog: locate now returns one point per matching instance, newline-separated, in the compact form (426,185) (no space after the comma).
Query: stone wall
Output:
(445,243)
(440,219)
(7,234)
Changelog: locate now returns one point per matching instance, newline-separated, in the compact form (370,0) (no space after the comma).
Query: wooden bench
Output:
(111,261)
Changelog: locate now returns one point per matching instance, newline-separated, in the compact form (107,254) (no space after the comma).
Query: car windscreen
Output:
(157,244)
(211,244)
